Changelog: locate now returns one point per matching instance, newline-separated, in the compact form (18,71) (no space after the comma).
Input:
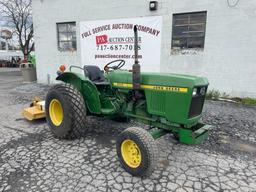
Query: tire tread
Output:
(77,106)
(150,146)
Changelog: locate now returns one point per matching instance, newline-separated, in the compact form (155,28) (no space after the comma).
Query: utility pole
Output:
(1,48)
(6,44)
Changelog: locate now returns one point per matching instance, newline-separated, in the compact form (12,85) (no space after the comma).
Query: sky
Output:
(2,23)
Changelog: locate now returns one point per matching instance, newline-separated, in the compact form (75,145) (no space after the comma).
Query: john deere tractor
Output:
(167,103)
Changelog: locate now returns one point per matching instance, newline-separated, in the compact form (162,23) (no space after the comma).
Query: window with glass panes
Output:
(188,30)
(66,36)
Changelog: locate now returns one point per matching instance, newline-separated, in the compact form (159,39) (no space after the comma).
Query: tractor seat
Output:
(94,73)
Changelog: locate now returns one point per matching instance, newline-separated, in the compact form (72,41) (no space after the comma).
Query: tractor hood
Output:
(165,92)
(120,77)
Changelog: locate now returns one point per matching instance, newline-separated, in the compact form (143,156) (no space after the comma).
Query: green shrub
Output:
(213,94)
(248,101)
(224,95)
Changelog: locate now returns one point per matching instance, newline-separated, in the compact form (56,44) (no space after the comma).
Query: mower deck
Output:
(35,112)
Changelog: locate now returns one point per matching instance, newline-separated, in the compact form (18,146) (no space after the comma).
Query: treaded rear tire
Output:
(148,149)
(74,111)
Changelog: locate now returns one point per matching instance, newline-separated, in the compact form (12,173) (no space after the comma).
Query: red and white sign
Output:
(107,40)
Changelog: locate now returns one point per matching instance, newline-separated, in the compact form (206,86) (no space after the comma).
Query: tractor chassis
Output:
(190,136)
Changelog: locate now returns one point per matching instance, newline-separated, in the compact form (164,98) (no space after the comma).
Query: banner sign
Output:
(107,40)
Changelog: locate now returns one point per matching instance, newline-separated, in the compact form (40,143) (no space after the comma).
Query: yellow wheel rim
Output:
(131,153)
(56,112)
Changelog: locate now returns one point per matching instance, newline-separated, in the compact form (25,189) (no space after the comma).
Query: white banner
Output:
(107,40)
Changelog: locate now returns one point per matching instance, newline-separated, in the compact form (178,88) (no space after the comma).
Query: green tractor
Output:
(167,103)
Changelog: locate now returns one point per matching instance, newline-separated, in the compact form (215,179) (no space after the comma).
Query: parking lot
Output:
(31,159)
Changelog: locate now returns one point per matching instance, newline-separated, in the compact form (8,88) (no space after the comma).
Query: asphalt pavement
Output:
(31,159)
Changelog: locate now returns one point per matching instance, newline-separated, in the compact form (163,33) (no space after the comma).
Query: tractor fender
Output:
(87,89)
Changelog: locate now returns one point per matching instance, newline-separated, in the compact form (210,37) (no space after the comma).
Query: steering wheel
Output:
(115,67)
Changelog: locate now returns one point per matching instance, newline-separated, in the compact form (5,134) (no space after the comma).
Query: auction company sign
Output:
(107,40)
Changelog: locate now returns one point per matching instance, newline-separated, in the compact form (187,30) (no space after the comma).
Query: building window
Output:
(66,36)
(188,30)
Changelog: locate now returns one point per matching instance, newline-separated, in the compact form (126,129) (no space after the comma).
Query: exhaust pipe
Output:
(136,77)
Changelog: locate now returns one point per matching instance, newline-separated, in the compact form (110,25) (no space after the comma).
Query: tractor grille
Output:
(197,104)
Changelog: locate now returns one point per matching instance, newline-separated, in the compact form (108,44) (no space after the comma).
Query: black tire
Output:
(74,111)
(147,147)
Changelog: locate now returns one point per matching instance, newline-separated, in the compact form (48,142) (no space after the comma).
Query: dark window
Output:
(188,30)
(66,36)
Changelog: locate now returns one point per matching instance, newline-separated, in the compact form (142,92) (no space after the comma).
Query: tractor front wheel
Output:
(137,151)
(65,111)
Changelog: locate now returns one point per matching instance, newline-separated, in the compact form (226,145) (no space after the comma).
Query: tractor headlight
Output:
(194,92)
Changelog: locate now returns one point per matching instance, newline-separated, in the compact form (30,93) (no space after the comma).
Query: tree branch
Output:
(18,14)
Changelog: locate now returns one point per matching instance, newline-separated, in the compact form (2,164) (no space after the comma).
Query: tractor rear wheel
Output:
(137,151)
(65,111)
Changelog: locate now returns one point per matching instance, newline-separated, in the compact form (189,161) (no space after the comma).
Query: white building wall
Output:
(227,60)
